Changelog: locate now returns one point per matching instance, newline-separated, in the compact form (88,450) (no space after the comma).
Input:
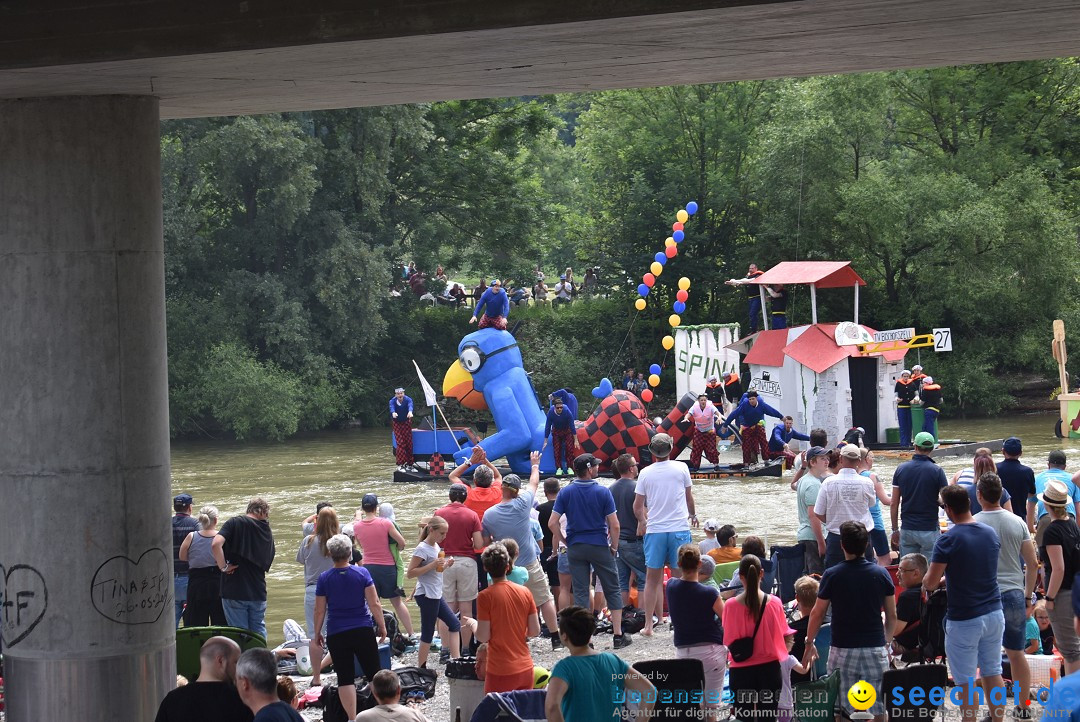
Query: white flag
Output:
(429,393)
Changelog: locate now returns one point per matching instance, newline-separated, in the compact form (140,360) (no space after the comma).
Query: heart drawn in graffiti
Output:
(24,602)
(130,592)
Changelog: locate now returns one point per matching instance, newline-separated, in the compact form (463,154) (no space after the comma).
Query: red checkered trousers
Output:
(753,443)
(403,436)
(487,321)
(704,441)
(562,443)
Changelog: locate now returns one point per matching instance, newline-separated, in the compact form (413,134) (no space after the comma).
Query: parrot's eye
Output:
(471,359)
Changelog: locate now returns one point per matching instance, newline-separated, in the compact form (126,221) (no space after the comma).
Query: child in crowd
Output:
(805,599)
(710,527)
(426,567)
(517,575)
(785,711)
(706,568)
(386,511)
(585,686)
(1046,632)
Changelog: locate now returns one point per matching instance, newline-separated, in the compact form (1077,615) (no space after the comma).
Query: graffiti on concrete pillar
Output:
(25,599)
(133,592)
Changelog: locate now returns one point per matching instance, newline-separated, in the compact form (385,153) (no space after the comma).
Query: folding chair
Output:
(822,643)
(788,567)
(724,572)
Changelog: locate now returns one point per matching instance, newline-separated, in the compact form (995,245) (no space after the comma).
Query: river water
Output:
(342,466)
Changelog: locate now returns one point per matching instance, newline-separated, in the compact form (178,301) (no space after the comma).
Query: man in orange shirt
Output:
(488,490)
(727,551)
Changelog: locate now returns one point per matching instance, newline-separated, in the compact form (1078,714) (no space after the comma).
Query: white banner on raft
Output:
(700,353)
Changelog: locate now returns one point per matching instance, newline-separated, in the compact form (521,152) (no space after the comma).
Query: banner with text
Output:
(700,353)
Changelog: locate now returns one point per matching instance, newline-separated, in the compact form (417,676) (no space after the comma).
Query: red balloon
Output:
(682,295)
(648,279)
(671,251)
(647,395)
(676,226)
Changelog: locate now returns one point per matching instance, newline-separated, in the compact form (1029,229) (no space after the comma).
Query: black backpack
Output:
(398,641)
(633,620)
(333,711)
(932,625)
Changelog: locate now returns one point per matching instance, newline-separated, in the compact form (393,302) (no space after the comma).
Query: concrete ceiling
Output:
(245,59)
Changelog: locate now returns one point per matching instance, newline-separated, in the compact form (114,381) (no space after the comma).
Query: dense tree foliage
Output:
(953,191)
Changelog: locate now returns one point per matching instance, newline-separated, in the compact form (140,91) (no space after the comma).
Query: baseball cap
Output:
(924,440)
(583,462)
(711,525)
(370,502)
(850,451)
(184,499)
(660,444)
(512,481)
(1012,445)
(815,451)
(707,565)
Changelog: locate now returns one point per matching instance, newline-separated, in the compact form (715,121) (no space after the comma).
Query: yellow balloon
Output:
(669,241)
(668,342)
(654,380)
(656,268)
(684,283)
(674,320)
(640,304)
(682,215)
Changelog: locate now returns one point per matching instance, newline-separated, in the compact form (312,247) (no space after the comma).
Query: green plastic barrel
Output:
(917,422)
(892,435)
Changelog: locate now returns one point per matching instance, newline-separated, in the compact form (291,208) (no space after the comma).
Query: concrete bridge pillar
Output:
(85,547)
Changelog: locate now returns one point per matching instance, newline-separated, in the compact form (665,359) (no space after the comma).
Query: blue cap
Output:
(369,502)
(184,499)
(1012,446)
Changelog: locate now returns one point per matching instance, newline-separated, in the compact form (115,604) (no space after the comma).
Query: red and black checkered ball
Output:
(620,425)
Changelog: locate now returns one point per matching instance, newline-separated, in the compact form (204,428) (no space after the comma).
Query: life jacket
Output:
(733,379)
(752,289)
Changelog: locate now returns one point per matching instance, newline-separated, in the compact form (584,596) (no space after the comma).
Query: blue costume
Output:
(780,437)
(493,359)
(560,427)
(753,415)
(495,305)
(568,399)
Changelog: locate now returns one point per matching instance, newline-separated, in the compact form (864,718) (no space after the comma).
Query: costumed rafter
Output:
(495,305)
(560,429)
(905,390)
(752,412)
(782,434)
(704,417)
(401,413)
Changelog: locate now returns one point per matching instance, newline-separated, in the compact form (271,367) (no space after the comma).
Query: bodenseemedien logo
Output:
(862,695)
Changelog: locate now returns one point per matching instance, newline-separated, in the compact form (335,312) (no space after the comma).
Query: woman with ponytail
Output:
(204,577)
(754,628)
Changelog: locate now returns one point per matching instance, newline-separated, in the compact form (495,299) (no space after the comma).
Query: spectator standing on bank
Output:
(974,624)
(915,489)
(463,542)
(665,489)
(315,557)
(631,558)
(506,618)
(1060,554)
(204,577)
(811,535)
(1016,478)
(182,525)
(374,534)
(1038,519)
(244,551)
(845,496)
(696,611)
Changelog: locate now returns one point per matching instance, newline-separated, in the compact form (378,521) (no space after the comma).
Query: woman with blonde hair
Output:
(427,566)
(204,577)
(316,559)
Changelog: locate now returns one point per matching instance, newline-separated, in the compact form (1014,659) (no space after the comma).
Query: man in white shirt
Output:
(845,496)
(665,489)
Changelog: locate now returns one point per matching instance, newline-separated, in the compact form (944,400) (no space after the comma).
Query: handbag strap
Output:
(760,617)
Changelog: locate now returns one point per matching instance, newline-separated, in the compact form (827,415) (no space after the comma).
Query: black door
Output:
(862,373)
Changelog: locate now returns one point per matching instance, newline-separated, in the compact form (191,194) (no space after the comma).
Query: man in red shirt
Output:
(462,542)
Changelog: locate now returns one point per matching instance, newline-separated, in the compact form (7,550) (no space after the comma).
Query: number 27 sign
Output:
(943,339)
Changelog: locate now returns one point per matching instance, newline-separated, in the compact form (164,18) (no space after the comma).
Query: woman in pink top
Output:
(755,682)
(374,535)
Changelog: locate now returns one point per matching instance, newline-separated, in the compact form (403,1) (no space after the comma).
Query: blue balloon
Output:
(679,306)
(691,207)
(654,369)
(661,259)
(642,290)
(678,236)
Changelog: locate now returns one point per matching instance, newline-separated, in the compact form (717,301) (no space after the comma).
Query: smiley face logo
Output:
(862,695)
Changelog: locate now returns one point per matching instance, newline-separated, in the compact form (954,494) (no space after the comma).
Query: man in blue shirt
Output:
(510,519)
(974,622)
(496,306)
(1018,479)
(568,398)
(916,484)
(782,434)
(751,412)
(1037,518)
(592,538)
(560,428)
(401,413)
(182,525)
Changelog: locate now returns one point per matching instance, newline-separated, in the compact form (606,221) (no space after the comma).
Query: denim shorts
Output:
(1014,607)
(974,644)
(663,548)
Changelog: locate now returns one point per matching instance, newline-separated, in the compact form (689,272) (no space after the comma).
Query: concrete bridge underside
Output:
(87,612)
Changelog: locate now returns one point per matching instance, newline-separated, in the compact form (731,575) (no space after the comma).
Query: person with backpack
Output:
(857,590)
(974,622)
(754,628)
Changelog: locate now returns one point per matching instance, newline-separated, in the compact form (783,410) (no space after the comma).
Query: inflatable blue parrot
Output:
(493,359)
